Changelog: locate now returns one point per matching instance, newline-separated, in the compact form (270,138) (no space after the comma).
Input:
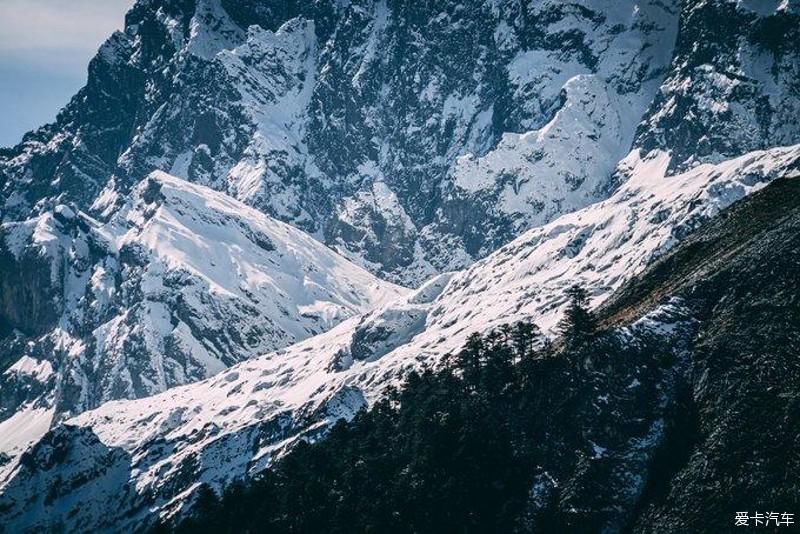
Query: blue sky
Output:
(45,48)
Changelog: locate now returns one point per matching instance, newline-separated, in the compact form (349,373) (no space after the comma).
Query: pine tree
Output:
(470,361)
(578,325)
(525,338)
(498,367)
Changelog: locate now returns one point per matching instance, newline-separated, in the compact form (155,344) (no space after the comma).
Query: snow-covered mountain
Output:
(411,137)
(733,83)
(160,448)
(209,234)
(180,284)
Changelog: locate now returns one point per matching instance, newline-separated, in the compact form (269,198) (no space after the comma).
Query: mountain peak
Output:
(179,284)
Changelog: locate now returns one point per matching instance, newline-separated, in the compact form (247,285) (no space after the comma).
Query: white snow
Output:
(19,431)
(212,236)
(211,30)
(39,370)
(211,282)
(331,375)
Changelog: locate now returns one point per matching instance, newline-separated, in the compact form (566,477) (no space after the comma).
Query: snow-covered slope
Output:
(180,284)
(732,85)
(412,138)
(160,448)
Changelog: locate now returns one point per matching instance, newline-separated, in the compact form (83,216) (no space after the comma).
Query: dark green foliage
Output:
(455,450)
(624,433)
(578,325)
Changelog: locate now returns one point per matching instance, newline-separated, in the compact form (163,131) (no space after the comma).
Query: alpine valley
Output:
(261,217)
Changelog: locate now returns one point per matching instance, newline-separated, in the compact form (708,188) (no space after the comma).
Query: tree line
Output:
(456,449)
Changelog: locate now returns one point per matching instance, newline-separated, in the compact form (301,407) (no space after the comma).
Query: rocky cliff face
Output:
(733,83)
(181,283)
(412,138)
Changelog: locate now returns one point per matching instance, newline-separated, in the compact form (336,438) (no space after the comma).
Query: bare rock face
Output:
(732,84)
(411,138)
(178,285)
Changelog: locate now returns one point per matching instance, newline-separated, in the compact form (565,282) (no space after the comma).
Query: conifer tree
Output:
(498,367)
(470,361)
(525,337)
(578,325)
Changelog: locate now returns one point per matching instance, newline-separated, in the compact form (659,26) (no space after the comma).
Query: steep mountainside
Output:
(180,284)
(412,137)
(215,431)
(676,422)
(733,83)
(209,234)
(739,275)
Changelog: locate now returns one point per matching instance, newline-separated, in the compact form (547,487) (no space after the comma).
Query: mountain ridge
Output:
(233,424)
(179,285)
